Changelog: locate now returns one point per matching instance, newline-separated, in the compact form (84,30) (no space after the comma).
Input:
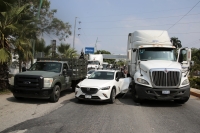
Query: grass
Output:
(5,91)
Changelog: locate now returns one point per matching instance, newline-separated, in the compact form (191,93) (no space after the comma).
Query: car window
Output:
(102,75)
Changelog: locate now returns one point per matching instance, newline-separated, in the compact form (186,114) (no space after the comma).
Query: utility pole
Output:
(74,32)
(33,41)
(96,45)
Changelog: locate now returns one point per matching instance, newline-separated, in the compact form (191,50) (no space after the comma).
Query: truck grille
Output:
(165,78)
(89,90)
(28,82)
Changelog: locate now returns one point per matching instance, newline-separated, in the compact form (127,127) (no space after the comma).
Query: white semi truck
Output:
(157,73)
(95,61)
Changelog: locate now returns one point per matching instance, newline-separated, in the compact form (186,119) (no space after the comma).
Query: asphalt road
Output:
(124,116)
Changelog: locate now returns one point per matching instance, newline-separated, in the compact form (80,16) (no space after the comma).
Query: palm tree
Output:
(66,51)
(8,26)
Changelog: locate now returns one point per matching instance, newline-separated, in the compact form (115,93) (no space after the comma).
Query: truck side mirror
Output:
(192,63)
(64,72)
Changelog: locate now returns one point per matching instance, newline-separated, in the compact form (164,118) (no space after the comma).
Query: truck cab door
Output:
(184,57)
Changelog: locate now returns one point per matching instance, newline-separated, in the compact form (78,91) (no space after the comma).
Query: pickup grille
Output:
(28,82)
(165,78)
(89,90)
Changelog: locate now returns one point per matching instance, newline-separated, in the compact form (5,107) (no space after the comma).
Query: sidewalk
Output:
(195,92)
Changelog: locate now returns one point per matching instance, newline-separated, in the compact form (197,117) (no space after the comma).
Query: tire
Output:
(182,101)
(55,94)
(112,96)
(135,96)
(18,98)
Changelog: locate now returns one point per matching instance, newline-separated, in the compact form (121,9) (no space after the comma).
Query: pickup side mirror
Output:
(64,72)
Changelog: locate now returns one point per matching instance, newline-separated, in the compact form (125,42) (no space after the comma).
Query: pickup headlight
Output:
(48,82)
(186,81)
(105,88)
(142,81)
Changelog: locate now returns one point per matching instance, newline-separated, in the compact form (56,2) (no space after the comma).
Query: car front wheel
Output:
(112,96)
(55,94)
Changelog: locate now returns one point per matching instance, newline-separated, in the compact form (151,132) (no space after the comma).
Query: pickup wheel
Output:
(18,98)
(135,96)
(112,96)
(55,94)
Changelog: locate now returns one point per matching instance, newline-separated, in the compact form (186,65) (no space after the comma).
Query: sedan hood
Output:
(150,64)
(94,83)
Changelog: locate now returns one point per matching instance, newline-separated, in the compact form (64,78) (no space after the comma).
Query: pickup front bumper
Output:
(32,93)
(145,92)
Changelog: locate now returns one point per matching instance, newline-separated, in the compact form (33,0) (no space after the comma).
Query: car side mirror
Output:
(117,79)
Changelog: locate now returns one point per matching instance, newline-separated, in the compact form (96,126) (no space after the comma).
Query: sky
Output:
(107,23)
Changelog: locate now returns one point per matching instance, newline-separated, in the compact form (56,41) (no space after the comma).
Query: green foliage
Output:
(194,82)
(66,51)
(176,42)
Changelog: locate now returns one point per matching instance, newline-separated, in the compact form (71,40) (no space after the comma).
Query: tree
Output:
(8,26)
(66,51)
(176,42)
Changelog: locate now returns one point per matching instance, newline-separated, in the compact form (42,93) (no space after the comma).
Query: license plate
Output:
(166,92)
(88,96)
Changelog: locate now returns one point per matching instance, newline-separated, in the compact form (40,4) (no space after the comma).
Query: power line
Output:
(139,19)
(138,13)
(140,26)
(184,15)
(48,35)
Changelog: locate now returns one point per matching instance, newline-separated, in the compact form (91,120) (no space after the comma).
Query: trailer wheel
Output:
(55,94)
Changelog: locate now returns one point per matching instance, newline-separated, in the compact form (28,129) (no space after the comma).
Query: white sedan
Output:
(102,85)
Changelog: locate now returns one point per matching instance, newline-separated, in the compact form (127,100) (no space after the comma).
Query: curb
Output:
(195,92)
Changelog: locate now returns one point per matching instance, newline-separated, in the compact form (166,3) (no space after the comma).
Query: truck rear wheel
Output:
(55,94)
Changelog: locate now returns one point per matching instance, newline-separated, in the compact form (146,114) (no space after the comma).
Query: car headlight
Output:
(48,82)
(105,88)
(142,81)
(186,81)
(77,86)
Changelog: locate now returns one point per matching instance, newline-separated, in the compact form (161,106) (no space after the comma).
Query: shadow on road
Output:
(127,100)
(37,101)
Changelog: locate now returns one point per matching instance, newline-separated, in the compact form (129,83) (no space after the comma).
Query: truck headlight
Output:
(142,81)
(48,82)
(186,81)
(105,88)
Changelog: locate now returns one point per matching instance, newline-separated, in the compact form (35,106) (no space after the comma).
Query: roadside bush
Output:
(194,82)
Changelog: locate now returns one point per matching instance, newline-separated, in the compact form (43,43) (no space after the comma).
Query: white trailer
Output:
(95,61)
(156,72)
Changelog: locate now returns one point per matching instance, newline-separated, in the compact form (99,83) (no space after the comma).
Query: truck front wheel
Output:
(135,95)
(55,94)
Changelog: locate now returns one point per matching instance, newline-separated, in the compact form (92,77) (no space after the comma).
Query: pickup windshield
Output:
(46,66)
(93,63)
(157,54)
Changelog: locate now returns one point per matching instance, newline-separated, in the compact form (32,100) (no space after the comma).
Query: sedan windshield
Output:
(102,75)
(47,66)
(91,71)
(157,54)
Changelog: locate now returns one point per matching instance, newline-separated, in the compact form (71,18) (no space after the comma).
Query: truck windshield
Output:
(157,54)
(47,66)
(93,63)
